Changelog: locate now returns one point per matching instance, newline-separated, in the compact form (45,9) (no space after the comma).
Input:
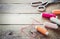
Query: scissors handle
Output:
(35,4)
(41,8)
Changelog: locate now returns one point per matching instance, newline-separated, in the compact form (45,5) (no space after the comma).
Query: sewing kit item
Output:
(42,30)
(57,12)
(42,6)
(48,15)
(48,25)
(51,25)
(35,4)
(55,20)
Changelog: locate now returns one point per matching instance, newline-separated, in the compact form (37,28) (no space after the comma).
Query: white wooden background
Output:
(20,1)
(8,12)
(13,14)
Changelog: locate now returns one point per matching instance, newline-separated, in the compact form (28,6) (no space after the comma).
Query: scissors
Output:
(41,6)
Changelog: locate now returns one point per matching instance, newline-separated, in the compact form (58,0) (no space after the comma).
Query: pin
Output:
(42,30)
(48,15)
(57,12)
(55,20)
(51,25)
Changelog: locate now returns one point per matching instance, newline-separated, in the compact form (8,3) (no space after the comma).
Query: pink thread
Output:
(48,15)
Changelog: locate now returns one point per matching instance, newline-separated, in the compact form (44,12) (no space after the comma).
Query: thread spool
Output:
(57,12)
(48,15)
(51,25)
(42,30)
(55,20)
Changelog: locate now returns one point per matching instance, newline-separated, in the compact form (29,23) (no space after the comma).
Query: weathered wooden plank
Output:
(19,18)
(18,8)
(17,1)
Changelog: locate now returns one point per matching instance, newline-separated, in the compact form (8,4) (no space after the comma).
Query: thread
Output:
(55,20)
(48,25)
(48,15)
(57,12)
(51,25)
(42,30)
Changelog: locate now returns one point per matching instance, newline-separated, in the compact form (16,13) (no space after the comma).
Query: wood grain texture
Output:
(18,34)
